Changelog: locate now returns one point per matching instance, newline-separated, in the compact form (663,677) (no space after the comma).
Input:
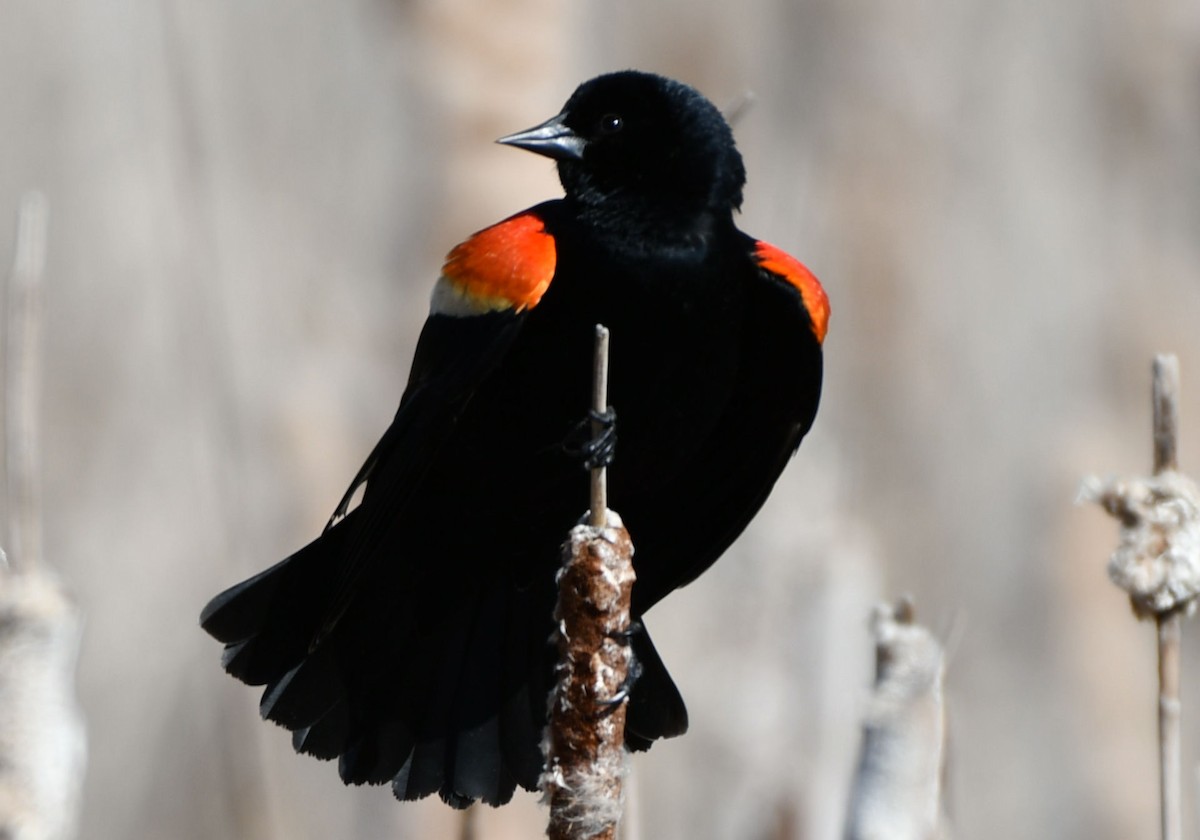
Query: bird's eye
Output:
(611,123)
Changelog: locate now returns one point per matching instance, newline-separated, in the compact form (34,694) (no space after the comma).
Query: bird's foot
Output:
(624,689)
(593,441)
(631,675)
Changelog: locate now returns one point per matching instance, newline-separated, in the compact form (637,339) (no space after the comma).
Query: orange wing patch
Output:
(506,266)
(789,268)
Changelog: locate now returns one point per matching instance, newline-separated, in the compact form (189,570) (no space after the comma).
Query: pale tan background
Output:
(249,203)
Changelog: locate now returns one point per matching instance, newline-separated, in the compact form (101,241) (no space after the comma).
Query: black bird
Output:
(410,639)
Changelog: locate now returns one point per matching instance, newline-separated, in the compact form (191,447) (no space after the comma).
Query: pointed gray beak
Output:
(552,139)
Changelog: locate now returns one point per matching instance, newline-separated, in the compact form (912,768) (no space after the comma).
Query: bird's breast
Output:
(676,332)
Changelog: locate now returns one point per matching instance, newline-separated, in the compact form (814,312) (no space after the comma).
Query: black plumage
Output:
(410,640)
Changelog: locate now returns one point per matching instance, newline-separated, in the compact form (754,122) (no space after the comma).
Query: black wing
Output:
(772,408)
(360,636)
(275,618)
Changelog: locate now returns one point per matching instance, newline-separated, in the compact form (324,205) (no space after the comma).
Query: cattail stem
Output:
(599,495)
(1165,394)
(1166,458)
(1169,632)
(584,744)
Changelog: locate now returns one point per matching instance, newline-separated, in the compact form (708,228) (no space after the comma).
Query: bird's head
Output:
(641,139)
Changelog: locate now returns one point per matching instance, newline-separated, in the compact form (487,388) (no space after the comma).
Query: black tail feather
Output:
(476,759)
(529,655)
(442,696)
(422,774)
(377,754)
(326,738)
(269,621)
(656,708)
(306,693)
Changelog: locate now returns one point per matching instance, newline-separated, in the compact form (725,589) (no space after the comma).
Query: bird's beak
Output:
(552,138)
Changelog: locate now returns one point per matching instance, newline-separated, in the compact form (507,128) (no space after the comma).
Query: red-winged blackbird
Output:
(410,639)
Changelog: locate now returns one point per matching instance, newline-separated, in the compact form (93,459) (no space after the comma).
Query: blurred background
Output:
(249,203)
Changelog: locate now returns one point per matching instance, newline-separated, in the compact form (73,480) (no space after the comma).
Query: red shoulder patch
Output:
(787,267)
(506,266)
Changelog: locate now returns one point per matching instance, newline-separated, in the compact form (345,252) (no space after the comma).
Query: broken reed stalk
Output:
(469,823)
(584,743)
(43,744)
(739,107)
(1166,459)
(1157,562)
(897,788)
(22,375)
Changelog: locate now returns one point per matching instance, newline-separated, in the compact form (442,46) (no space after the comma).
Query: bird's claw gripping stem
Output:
(624,689)
(593,441)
